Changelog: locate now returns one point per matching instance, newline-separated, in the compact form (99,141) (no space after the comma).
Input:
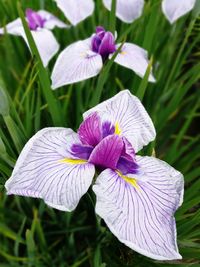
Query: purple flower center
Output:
(103,146)
(103,42)
(34,20)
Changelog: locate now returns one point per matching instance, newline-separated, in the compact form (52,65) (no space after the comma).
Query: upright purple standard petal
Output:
(174,9)
(107,45)
(135,58)
(127,10)
(34,20)
(139,210)
(81,151)
(76,63)
(127,113)
(46,169)
(126,166)
(90,130)
(103,42)
(107,128)
(76,10)
(107,153)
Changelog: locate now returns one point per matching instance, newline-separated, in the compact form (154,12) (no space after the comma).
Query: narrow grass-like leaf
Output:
(144,83)
(103,78)
(113,16)
(43,75)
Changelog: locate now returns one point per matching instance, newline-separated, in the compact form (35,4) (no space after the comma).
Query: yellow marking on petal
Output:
(73,161)
(83,55)
(117,129)
(123,53)
(129,180)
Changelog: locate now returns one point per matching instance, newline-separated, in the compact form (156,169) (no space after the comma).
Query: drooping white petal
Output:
(127,10)
(76,63)
(44,39)
(46,43)
(142,216)
(127,112)
(51,21)
(15,28)
(174,9)
(76,10)
(41,171)
(135,58)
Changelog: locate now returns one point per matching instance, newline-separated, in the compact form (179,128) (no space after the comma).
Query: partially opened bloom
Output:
(40,23)
(76,10)
(174,9)
(84,59)
(136,196)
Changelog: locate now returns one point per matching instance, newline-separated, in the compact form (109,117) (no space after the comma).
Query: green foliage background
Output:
(32,234)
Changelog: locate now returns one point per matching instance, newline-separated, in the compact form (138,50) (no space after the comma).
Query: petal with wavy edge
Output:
(76,10)
(174,9)
(41,171)
(127,112)
(51,21)
(76,63)
(128,10)
(135,58)
(142,217)
(15,28)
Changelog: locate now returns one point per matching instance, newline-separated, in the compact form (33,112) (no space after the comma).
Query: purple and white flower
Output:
(136,196)
(76,10)
(84,59)
(40,24)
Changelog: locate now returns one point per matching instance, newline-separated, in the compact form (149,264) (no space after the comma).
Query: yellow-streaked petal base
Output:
(131,181)
(73,161)
(117,129)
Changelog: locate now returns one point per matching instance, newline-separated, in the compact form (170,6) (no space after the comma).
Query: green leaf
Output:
(143,86)
(4,103)
(53,104)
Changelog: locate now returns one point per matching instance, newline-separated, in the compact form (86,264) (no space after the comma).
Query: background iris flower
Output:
(40,23)
(126,10)
(136,196)
(84,59)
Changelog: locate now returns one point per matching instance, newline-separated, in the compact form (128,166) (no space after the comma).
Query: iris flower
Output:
(130,10)
(40,23)
(126,10)
(84,59)
(136,196)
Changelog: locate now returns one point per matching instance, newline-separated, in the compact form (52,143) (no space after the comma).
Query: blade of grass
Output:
(144,83)
(43,75)
(103,78)
(113,16)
